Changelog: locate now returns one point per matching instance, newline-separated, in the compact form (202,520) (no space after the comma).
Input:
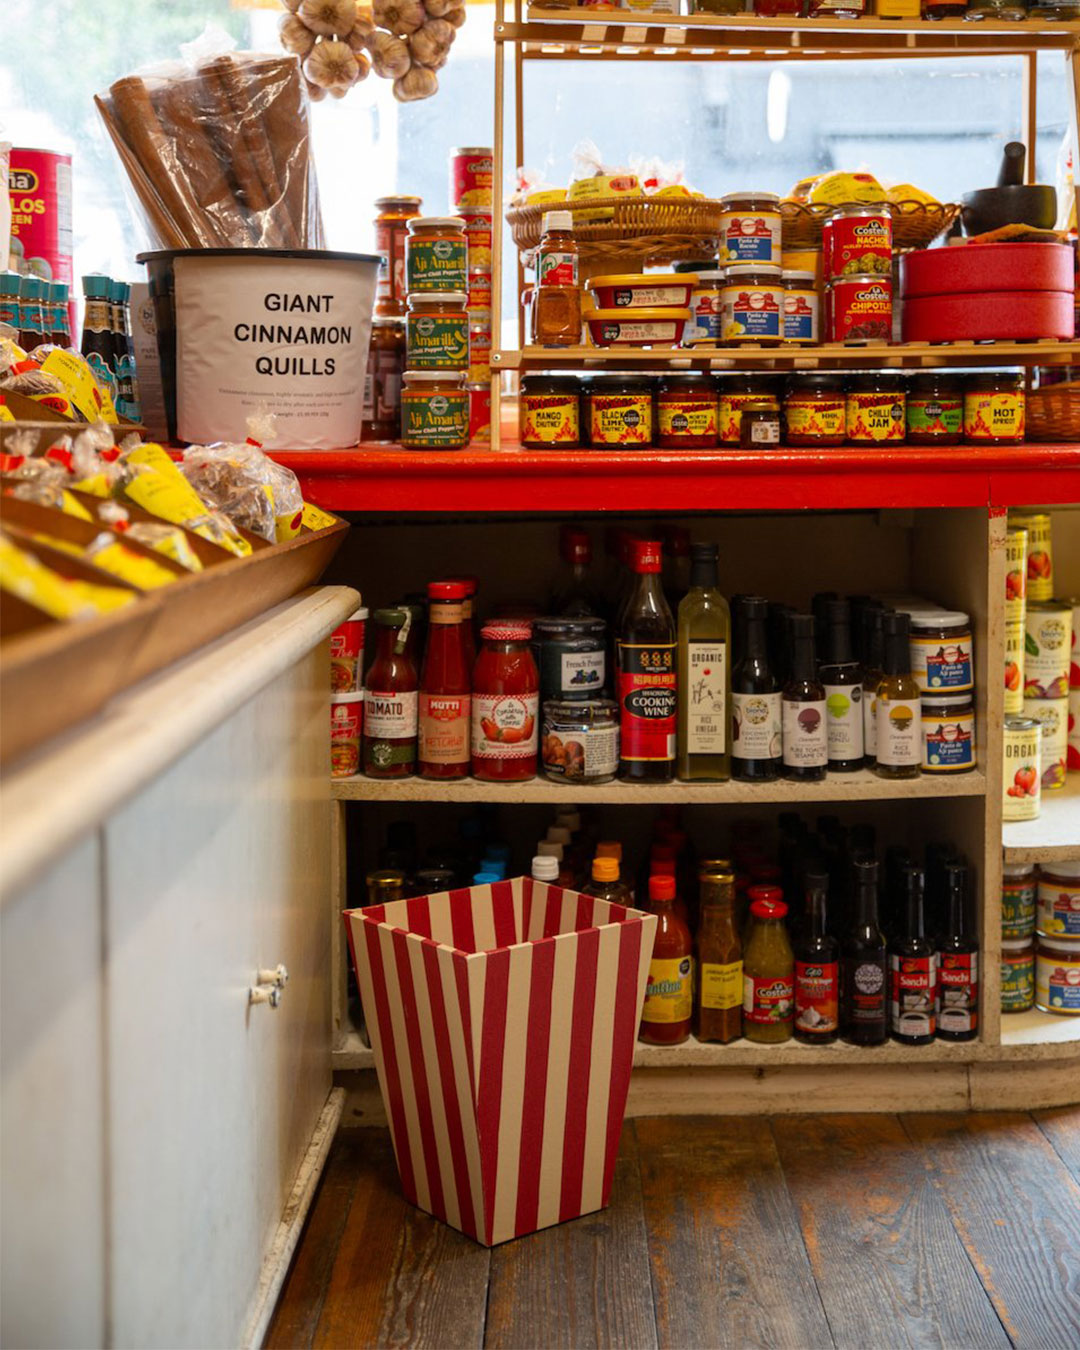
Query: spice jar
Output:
(935,409)
(437,331)
(1058,902)
(948,733)
(556,311)
(1018,900)
(750,224)
(875,408)
(550,412)
(686,412)
(571,655)
(581,740)
(994,408)
(620,411)
(434,411)
(505,704)
(752,302)
(1057,976)
(801,308)
(391,231)
(436,254)
(760,426)
(382,384)
(736,391)
(1017,975)
(814,410)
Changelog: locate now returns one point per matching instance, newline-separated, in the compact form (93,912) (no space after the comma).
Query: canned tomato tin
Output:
(1017,975)
(472,176)
(752,300)
(434,410)
(1040,555)
(580,741)
(1021,776)
(479,293)
(1047,649)
(859,309)
(391,231)
(1014,667)
(1057,976)
(801,308)
(1058,900)
(437,331)
(750,226)
(436,257)
(857,240)
(1052,714)
(479,352)
(479,414)
(550,412)
(1016,538)
(347,653)
(346,733)
(571,656)
(948,733)
(705,310)
(874,409)
(39,189)
(620,411)
(479,226)
(1018,895)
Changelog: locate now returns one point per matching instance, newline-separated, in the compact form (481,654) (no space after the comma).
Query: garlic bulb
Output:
(399,16)
(296,36)
(331,65)
(291,5)
(328,17)
(389,56)
(363,32)
(314,92)
(418,83)
(455,17)
(430,45)
(438,8)
(363,65)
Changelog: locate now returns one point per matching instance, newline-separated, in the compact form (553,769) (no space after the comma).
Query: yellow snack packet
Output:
(165,492)
(24,575)
(837,188)
(113,557)
(315,518)
(92,402)
(599,186)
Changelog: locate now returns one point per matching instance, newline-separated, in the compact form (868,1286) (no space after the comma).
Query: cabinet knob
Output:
(278,977)
(264,993)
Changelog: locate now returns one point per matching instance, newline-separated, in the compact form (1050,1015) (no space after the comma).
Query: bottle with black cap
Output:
(842,677)
(899,725)
(806,753)
(873,643)
(755,701)
(864,994)
(958,963)
(817,970)
(913,970)
(704,673)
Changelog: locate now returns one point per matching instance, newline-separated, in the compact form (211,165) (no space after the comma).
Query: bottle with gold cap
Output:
(385,885)
(605,883)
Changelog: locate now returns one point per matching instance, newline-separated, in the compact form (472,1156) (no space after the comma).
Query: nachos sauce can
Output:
(39,189)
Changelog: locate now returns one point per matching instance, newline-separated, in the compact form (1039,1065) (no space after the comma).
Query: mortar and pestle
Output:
(1012,201)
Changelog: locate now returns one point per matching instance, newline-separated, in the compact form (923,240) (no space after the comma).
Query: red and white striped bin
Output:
(503,1020)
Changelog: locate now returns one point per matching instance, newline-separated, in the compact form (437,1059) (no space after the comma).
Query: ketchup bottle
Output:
(669,994)
(445,685)
(390,701)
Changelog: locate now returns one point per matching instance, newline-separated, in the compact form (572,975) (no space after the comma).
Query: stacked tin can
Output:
(1022,734)
(471,183)
(1047,650)
(1018,895)
(858,268)
(1072,747)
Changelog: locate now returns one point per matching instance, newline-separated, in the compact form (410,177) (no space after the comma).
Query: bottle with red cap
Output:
(768,970)
(572,594)
(505,704)
(647,683)
(468,610)
(669,994)
(445,686)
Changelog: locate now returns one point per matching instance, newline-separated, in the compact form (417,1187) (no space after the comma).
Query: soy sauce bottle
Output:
(805,746)
(864,1006)
(913,971)
(958,964)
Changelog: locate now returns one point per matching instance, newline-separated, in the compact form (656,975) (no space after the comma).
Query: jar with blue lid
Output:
(571,655)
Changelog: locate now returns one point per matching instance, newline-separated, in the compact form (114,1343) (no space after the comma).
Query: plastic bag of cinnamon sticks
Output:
(218,150)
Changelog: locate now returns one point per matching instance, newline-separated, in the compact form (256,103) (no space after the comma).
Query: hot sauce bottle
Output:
(768,970)
(505,703)
(913,970)
(390,701)
(445,686)
(556,312)
(720,967)
(817,970)
(668,1008)
(646,673)
(958,964)
(864,969)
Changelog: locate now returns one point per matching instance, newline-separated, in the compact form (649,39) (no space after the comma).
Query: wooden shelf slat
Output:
(1054,836)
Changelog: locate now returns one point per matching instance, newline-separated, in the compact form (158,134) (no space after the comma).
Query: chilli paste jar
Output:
(505,705)
(814,410)
(935,409)
(581,740)
(994,408)
(620,411)
(875,409)
(948,733)
(736,392)
(437,331)
(686,412)
(571,654)
(434,410)
(550,412)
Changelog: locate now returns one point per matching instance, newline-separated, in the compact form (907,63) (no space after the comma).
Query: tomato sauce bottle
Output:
(817,970)
(505,704)
(445,686)
(669,1000)
(646,673)
(390,701)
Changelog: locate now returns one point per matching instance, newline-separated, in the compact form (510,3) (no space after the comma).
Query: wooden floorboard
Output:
(1061,1125)
(728,1263)
(581,1284)
(887,1261)
(1016,1208)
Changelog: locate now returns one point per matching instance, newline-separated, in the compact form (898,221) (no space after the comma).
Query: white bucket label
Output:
(282,335)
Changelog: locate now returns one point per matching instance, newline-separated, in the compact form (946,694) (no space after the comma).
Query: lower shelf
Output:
(1055,836)
(1041,1029)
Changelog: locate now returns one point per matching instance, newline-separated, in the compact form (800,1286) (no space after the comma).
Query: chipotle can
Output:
(479,414)
(472,177)
(859,309)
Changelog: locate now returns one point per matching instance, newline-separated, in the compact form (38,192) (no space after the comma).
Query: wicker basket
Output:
(644,231)
(915,225)
(1053,413)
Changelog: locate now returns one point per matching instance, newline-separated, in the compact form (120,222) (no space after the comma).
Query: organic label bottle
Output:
(842,677)
(390,700)
(668,1009)
(646,674)
(768,970)
(704,673)
(605,883)
(556,312)
(445,686)
(720,967)
(913,970)
(899,721)
(805,746)
(958,964)
(817,970)
(571,594)
(874,643)
(756,736)
(864,994)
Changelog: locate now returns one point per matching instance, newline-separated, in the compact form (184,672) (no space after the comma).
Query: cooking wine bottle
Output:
(756,736)
(704,673)
(805,747)
(646,673)
(864,1007)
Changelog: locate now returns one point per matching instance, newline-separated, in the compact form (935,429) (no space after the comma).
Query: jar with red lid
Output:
(814,411)
(505,705)
(686,412)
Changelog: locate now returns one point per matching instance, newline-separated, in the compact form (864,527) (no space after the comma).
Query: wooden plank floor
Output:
(952,1230)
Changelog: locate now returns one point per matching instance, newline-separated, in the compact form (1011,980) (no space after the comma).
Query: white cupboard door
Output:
(52,1141)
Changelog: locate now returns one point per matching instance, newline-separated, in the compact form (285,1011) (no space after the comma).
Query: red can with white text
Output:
(472,174)
(39,188)
(859,309)
(479,227)
(857,239)
(479,414)
(478,294)
(347,653)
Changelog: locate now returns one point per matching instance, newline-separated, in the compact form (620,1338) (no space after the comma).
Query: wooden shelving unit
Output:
(1054,836)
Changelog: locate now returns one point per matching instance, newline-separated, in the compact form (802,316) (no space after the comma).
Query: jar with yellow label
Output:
(620,411)
(994,408)
(875,409)
(437,331)
(736,391)
(686,412)
(434,411)
(550,412)
(814,410)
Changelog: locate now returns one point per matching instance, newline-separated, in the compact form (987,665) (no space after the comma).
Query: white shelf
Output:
(1037,1028)
(1054,836)
(839,787)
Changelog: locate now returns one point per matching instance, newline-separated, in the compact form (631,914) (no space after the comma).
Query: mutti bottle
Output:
(958,963)
(646,674)
(445,686)
(913,971)
(756,736)
(864,965)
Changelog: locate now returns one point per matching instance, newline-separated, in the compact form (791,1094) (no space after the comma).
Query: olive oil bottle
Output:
(704,738)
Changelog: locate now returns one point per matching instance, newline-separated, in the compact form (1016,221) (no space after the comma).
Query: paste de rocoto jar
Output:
(436,254)
(706,312)
(550,412)
(736,391)
(994,408)
(437,331)
(581,740)
(801,308)
(434,410)
(857,239)
(859,309)
(941,651)
(935,409)
(875,409)
(391,231)
(948,733)
(686,412)
(1018,897)
(571,655)
(620,411)
(1017,974)
(814,410)
(1058,912)
(505,705)
(1057,976)
(752,301)
(1021,777)
(750,224)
